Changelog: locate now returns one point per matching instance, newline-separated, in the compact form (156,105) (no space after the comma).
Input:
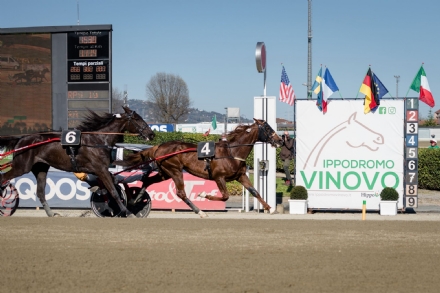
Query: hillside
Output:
(146,109)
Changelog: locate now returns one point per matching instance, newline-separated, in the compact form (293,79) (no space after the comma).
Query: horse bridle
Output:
(268,134)
(139,128)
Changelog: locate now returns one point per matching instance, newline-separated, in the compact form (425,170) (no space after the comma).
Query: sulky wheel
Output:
(9,200)
(139,202)
(103,204)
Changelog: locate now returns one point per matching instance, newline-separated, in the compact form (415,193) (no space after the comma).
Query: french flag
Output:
(328,88)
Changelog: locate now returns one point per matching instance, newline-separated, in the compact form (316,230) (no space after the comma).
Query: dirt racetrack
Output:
(218,255)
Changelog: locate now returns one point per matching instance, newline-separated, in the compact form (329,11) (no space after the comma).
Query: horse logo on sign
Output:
(355,135)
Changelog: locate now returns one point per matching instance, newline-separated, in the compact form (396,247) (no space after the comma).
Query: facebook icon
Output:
(382,110)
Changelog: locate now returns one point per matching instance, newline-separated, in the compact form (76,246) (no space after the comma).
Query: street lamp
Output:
(309,93)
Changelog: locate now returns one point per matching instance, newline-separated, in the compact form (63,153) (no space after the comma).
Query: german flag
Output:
(369,90)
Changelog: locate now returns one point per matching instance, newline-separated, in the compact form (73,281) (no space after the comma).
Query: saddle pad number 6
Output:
(206,149)
(70,137)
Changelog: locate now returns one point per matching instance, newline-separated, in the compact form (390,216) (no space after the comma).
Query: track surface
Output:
(218,255)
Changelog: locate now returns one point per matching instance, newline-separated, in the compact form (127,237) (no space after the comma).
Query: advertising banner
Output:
(64,190)
(345,156)
(163,194)
(162,127)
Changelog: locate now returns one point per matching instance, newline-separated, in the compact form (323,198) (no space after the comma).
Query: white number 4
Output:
(206,149)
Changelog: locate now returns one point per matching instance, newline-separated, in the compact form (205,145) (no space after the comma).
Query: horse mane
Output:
(93,121)
(238,132)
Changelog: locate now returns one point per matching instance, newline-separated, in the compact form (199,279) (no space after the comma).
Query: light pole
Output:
(397,85)
(309,91)
(226,120)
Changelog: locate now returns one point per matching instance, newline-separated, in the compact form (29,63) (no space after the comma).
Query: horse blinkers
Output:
(133,119)
(267,134)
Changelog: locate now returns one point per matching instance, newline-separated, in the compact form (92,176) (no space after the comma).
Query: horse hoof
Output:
(273,211)
(202,194)
(131,216)
(202,214)
(56,215)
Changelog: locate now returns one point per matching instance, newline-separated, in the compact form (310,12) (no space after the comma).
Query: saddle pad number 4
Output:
(70,137)
(206,149)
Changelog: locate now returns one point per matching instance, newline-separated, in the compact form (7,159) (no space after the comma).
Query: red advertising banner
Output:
(163,194)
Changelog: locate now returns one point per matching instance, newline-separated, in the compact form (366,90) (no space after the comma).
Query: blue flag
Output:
(379,91)
(317,89)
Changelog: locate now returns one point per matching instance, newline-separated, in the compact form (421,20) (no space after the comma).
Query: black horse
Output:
(99,133)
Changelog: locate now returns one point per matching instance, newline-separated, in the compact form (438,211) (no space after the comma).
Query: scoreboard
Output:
(411,153)
(88,68)
(57,74)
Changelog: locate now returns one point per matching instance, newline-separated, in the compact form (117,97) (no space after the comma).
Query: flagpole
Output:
(362,83)
(412,82)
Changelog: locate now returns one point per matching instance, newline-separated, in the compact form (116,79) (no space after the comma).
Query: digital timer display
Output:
(88,44)
(88,53)
(92,104)
(75,117)
(87,39)
(88,95)
(88,71)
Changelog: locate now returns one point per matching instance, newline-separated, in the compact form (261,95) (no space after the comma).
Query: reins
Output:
(158,158)
(29,146)
(85,132)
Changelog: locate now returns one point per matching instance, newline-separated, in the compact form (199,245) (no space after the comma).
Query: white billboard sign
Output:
(344,157)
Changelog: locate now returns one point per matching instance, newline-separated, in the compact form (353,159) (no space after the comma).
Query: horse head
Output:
(267,134)
(359,135)
(135,124)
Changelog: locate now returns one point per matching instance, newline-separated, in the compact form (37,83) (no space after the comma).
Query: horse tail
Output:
(137,158)
(148,154)
(9,142)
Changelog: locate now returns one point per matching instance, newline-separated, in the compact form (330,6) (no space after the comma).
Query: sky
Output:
(211,44)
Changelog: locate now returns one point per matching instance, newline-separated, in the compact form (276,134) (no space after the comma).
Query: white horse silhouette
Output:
(356,135)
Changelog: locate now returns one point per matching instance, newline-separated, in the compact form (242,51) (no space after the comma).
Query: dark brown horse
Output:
(99,133)
(227,164)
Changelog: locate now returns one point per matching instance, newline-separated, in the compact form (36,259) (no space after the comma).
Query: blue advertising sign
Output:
(162,127)
(63,190)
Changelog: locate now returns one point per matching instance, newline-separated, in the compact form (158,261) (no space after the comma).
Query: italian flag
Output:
(420,85)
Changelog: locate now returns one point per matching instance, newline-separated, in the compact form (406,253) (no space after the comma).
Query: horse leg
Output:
(147,181)
(40,173)
(107,180)
(221,184)
(180,185)
(246,182)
